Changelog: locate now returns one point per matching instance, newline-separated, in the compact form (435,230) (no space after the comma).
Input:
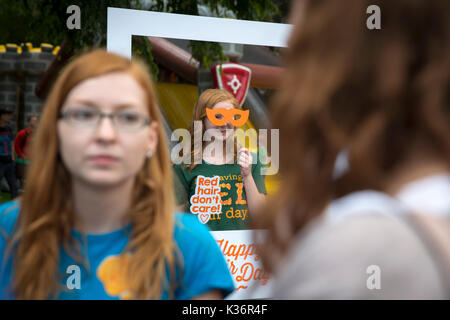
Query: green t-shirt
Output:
(234,214)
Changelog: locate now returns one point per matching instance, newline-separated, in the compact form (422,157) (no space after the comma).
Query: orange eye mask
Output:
(220,116)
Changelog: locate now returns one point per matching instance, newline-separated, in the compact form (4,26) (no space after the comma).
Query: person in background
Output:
(96,219)
(22,146)
(242,184)
(380,97)
(7,156)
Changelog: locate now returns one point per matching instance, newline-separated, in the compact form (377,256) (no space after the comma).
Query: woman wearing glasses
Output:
(242,186)
(96,220)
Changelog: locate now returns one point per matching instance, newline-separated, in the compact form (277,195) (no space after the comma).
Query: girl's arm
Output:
(254,198)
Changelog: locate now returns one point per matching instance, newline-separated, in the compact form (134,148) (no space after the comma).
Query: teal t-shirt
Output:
(234,211)
(204,267)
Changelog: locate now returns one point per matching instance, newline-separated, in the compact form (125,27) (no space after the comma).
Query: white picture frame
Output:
(122,24)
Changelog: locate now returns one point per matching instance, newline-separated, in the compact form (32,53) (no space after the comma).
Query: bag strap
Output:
(435,234)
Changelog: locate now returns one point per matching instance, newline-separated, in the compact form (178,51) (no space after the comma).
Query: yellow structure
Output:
(30,47)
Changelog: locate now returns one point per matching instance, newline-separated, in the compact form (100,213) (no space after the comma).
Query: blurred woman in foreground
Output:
(380,97)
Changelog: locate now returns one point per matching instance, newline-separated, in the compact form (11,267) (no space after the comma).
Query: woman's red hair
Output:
(46,217)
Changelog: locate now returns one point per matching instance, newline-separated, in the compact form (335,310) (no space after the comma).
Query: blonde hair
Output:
(208,99)
(46,216)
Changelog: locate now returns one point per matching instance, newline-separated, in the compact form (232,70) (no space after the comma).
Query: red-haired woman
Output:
(96,220)
(242,187)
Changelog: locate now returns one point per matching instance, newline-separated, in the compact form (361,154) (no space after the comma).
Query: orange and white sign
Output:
(239,249)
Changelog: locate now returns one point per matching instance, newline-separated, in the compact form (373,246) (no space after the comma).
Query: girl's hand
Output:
(245,160)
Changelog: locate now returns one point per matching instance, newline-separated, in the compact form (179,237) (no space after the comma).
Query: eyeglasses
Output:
(125,120)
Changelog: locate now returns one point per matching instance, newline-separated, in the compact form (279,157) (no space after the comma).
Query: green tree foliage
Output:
(39,21)
(207,52)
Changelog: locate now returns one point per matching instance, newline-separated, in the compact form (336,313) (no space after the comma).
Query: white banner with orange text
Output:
(244,263)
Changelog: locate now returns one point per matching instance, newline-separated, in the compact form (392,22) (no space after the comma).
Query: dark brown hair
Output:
(46,218)
(370,92)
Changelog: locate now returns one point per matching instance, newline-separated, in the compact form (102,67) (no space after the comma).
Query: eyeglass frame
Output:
(63,115)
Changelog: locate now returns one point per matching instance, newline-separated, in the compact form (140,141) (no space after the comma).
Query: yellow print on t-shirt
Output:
(112,274)
(228,199)
(227,185)
(231,177)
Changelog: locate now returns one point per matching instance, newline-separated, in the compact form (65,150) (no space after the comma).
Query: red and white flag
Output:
(232,77)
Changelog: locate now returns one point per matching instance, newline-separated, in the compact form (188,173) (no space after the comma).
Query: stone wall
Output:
(21,67)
